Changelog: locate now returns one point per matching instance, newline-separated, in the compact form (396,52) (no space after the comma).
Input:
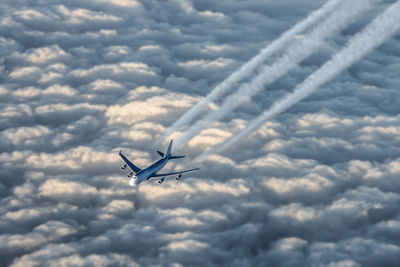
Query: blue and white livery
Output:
(138,175)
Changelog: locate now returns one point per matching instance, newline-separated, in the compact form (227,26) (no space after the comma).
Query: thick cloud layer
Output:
(81,80)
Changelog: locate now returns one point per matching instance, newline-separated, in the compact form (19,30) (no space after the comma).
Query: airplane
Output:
(138,175)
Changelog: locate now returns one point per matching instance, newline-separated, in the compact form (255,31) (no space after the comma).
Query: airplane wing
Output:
(173,173)
(130,164)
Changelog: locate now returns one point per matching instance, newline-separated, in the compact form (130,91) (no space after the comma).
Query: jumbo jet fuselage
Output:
(149,172)
(138,175)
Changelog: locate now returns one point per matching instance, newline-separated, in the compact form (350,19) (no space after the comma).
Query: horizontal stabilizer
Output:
(160,153)
(176,157)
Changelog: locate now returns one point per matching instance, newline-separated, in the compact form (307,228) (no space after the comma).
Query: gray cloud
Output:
(81,80)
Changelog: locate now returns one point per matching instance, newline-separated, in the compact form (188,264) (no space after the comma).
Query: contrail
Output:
(294,55)
(373,35)
(249,67)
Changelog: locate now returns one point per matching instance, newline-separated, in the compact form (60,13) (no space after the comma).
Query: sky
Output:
(317,185)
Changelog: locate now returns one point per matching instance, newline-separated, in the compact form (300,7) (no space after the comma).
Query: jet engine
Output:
(129,175)
(178,177)
(161,180)
(123,167)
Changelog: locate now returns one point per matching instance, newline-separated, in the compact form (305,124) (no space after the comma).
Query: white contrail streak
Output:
(294,55)
(373,35)
(250,66)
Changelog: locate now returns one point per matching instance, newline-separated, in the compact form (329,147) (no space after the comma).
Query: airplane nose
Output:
(132,181)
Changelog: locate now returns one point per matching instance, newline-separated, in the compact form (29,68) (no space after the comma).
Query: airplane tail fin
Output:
(168,153)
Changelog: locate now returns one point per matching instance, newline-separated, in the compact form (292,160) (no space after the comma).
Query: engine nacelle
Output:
(129,175)
(178,177)
(123,167)
(161,180)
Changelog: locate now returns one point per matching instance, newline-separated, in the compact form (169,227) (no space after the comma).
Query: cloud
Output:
(147,102)
(80,81)
(125,71)
(42,234)
(65,190)
(43,55)
(83,17)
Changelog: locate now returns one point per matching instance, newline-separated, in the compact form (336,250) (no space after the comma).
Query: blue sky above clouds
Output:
(80,80)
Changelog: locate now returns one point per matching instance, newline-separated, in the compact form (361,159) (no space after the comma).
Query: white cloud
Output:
(26,135)
(40,235)
(25,74)
(125,71)
(124,3)
(154,107)
(59,90)
(119,206)
(186,246)
(82,16)
(45,55)
(31,15)
(192,192)
(80,81)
